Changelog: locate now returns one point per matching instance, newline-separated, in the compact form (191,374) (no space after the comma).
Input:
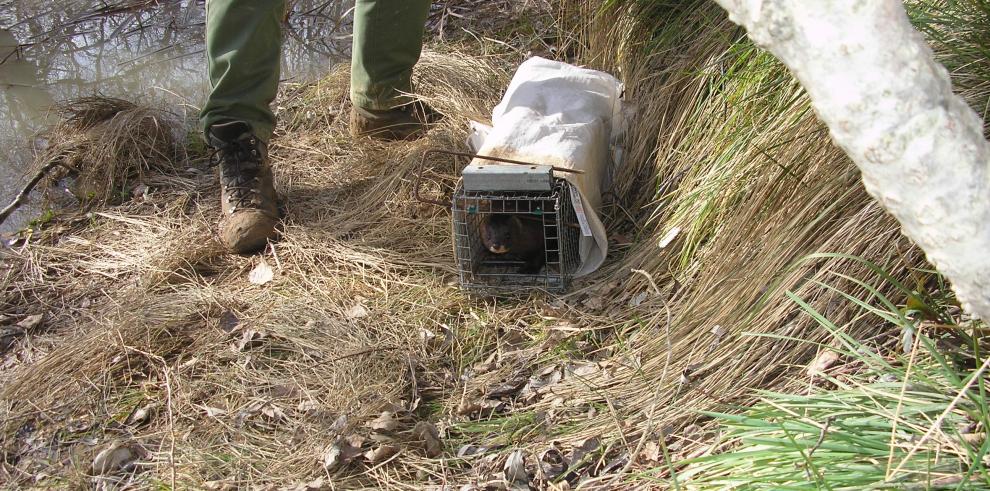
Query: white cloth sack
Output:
(558,114)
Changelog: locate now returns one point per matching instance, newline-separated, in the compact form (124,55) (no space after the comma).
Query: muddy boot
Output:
(246,192)
(407,122)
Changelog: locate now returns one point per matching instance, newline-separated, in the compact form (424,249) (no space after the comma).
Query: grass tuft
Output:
(872,417)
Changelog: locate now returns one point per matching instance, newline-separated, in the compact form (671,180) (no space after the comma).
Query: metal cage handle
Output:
(448,204)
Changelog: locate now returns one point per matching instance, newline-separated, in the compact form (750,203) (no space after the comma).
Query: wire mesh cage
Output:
(540,234)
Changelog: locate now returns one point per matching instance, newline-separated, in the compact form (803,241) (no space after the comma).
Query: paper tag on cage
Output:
(579,210)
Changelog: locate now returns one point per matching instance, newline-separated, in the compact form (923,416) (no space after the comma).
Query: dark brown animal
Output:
(506,234)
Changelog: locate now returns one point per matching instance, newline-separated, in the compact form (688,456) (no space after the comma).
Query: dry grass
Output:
(249,384)
(105,145)
(138,302)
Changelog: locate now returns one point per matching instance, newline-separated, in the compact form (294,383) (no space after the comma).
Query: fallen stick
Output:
(19,200)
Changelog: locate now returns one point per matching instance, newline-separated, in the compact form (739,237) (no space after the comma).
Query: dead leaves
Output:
(552,463)
(213,412)
(432,341)
(492,390)
(651,454)
(506,379)
(117,457)
(388,435)
(429,438)
(582,453)
(245,337)
(249,339)
(482,408)
(515,472)
(471,451)
(381,453)
(638,299)
(690,434)
(508,387)
(10,334)
(386,422)
(142,415)
(30,322)
(308,406)
(80,423)
(262,273)
(593,302)
(822,363)
(260,412)
(342,452)
(718,332)
(229,321)
(358,310)
(551,469)
(273,412)
(318,484)
(384,433)
(344,449)
(540,382)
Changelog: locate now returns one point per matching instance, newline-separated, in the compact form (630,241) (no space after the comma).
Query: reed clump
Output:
(106,145)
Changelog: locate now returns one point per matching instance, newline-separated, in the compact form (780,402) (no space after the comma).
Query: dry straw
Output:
(102,146)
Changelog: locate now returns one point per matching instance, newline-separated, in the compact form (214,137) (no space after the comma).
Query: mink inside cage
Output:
(481,269)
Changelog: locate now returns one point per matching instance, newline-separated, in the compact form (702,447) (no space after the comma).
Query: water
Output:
(143,50)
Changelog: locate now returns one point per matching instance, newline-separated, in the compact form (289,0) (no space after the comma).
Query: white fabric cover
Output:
(558,114)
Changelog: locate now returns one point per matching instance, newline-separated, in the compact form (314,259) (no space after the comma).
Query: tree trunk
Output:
(875,83)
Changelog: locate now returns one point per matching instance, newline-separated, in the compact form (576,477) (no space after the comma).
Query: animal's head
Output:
(497,232)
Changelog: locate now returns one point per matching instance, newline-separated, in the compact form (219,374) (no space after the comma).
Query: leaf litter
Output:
(262,273)
(117,457)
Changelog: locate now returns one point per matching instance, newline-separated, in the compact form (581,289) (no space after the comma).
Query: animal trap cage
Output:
(528,195)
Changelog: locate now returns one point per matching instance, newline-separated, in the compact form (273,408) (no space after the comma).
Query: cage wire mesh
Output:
(482,270)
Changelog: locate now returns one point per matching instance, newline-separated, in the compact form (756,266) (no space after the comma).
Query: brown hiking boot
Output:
(246,191)
(407,122)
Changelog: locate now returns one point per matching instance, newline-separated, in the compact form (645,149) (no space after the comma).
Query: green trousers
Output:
(243,50)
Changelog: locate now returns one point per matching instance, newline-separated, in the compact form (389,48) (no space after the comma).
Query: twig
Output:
(951,327)
(656,393)
(414,398)
(821,436)
(278,263)
(19,200)
(362,352)
(808,466)
(168,401)
(937,425)
(900,406)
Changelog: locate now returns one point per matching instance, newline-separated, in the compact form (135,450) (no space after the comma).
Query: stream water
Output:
(148,51)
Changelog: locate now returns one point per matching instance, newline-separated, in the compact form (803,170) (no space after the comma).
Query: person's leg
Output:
(388,39)
(243,47)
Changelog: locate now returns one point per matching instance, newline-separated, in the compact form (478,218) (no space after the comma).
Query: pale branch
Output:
(26,190)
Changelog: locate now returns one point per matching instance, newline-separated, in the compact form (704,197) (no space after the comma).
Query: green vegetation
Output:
(871,418)
(46,217)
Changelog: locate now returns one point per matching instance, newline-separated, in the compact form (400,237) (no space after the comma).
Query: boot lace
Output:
(240,169)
